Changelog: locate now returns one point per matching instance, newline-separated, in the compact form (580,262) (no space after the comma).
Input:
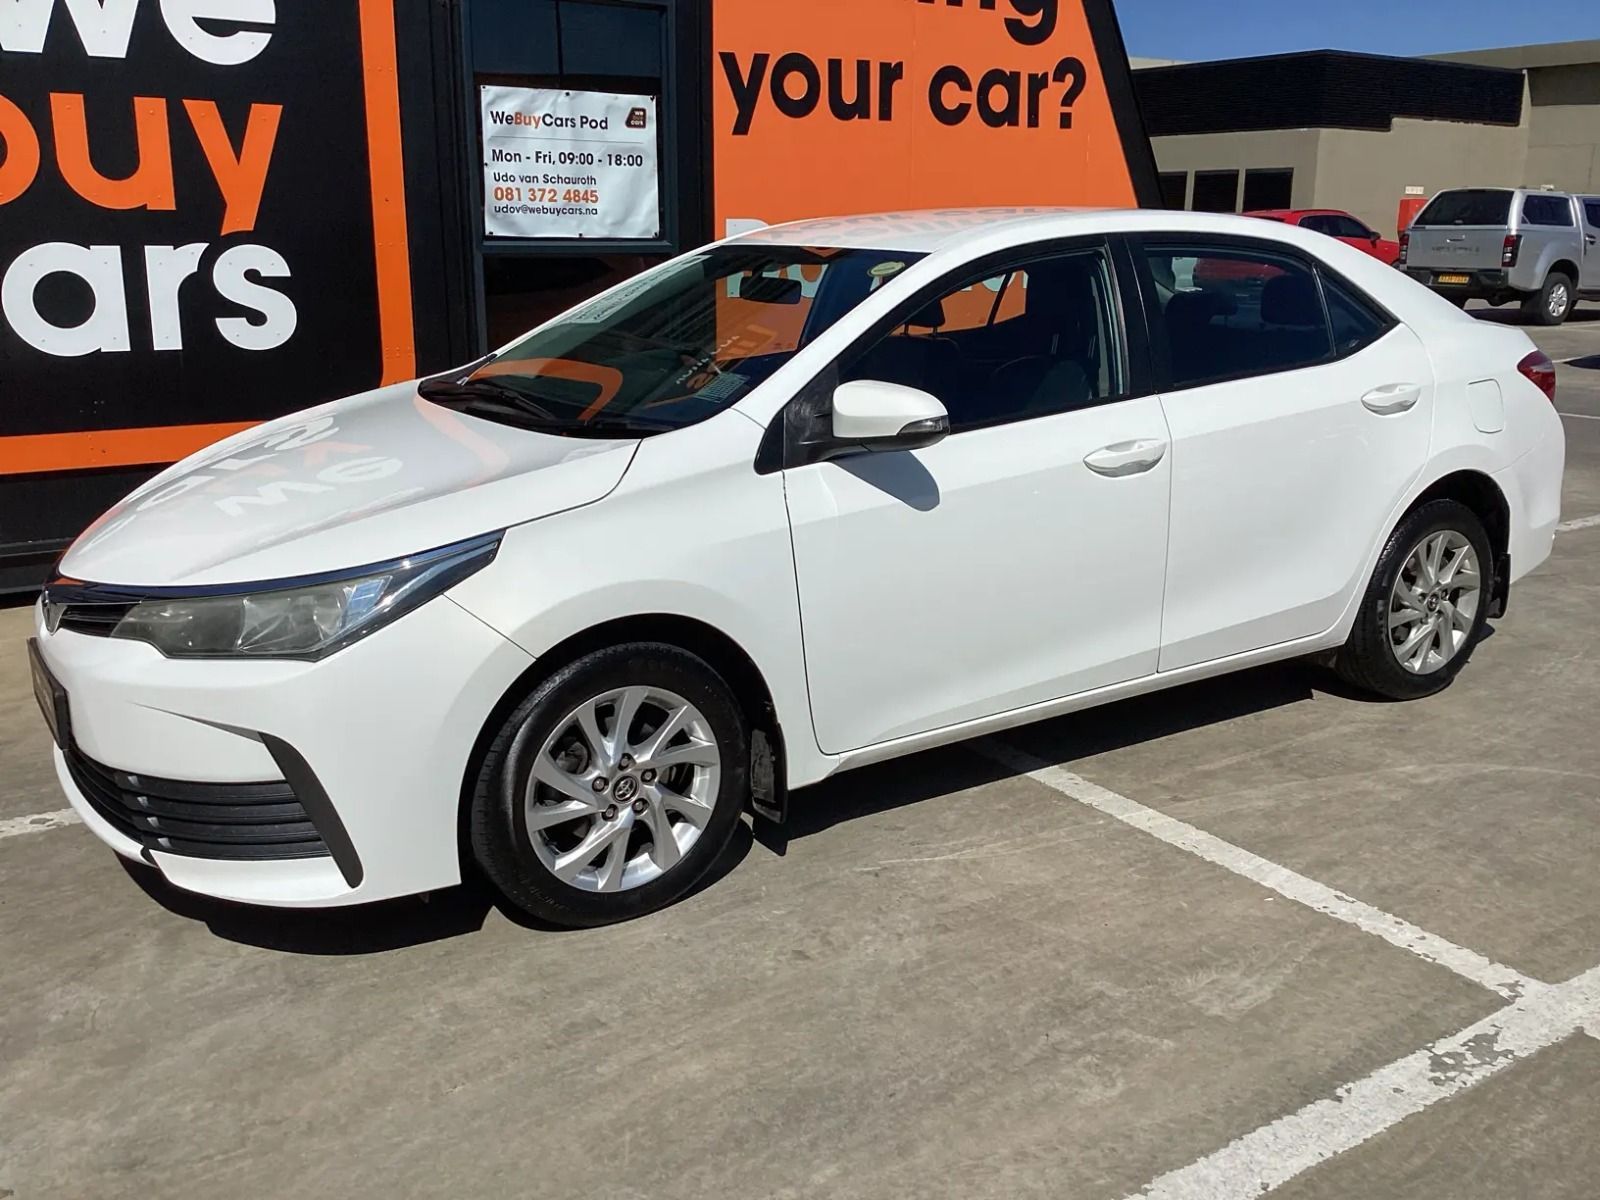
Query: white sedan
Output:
(814,497)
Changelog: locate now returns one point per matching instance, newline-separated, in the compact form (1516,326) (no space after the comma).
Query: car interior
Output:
(1052,352)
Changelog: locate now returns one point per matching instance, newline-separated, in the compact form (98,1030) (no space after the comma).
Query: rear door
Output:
(1462,231)
(1300,415)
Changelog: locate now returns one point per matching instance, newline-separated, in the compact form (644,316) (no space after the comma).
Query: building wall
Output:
(1564,133)
(1277,148)
(1367,173)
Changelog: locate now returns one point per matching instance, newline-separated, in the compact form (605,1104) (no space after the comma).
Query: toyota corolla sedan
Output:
(813,497)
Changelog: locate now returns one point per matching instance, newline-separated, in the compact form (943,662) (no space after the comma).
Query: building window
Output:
(1175,190)
(1216,191)
(1268,189)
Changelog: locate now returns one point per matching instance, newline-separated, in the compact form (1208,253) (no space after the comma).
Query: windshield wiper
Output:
(471,391)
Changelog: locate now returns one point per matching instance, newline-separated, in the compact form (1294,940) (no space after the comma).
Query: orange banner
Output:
(842,106)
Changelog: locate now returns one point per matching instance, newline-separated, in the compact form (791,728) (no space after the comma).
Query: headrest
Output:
(1197,308)
(930,316)
(1291,300)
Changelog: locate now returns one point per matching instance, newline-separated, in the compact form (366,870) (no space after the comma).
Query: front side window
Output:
(675,346)
(1231,313)
(1591,209)
(1547,210)
(1027,341)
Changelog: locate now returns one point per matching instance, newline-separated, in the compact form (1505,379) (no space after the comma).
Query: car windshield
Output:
(1477,206)
(675,346)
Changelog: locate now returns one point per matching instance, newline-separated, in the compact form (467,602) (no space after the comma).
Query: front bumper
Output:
(372,745)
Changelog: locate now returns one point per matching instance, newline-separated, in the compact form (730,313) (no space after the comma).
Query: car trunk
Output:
(1456,248)
(1463,230)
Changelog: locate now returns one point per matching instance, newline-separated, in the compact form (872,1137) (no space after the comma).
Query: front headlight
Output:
(306,618)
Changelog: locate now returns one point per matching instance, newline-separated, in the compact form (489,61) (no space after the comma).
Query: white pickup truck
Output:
(1503,244)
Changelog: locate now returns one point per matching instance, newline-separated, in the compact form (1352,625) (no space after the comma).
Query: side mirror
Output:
(1374,236)
(887,416)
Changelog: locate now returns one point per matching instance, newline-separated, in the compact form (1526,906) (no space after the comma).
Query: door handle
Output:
(1126,458)
(1392,399)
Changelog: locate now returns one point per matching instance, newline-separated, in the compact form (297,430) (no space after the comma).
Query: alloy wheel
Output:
(1433,607)
(1560,298)
(622,789)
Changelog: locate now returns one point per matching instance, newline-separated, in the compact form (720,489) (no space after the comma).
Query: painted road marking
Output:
(1581,416)
(38,823)
(1291,885)
(1272,1155)
(1580,523)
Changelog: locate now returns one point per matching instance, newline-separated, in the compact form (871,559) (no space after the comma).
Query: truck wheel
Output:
(1551,304)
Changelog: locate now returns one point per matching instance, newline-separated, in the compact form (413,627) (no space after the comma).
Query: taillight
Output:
(1538,370)
(1405,247)
(1510,249)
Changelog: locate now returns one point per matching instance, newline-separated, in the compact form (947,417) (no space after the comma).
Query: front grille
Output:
(97,620)
(201,820)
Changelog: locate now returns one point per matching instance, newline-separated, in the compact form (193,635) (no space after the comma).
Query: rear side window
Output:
(1472,206)
(1355,321)
(1547,210)
(1228,314)
(1591,209)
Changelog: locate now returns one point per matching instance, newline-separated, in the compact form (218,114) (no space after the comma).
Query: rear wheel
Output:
(1551,304)
(611,790)
(1426,606)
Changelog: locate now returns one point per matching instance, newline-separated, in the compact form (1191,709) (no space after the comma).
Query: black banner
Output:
(186,215)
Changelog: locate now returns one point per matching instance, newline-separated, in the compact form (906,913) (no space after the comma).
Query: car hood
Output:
(362,480)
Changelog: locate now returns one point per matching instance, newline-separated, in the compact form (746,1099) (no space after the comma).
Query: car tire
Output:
(1551,304)
(1424,579)
(1458,301)
(619,803)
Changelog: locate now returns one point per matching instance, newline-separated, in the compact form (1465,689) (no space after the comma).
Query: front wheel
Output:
(1426,606)
(611,790)
(1551,304)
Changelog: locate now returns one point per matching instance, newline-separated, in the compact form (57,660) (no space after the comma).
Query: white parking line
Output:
(1579,416)
(1291,885)
(1272,1155)
(1580,523)
(37,823)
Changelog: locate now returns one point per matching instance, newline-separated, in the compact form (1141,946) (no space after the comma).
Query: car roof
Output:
(921,231)
(931,230)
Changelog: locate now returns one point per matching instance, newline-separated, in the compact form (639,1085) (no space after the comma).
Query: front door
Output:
(1017,561)
(1591,244)
(1301,414)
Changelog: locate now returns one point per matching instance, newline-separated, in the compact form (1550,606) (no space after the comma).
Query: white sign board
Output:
(560,164)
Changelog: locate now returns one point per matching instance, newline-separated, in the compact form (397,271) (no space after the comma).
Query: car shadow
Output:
(903,782)
(1511,314)
(371,928)
(462,910)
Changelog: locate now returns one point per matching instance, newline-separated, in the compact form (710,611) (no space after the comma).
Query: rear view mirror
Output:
(769,289)
(887,416)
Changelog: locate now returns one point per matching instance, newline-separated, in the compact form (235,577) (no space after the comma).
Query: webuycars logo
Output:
(548,120)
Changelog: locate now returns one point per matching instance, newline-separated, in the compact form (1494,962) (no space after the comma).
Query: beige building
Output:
(1363,132)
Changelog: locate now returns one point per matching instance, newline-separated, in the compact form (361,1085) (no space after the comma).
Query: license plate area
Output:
(1453,280)
(52,697)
